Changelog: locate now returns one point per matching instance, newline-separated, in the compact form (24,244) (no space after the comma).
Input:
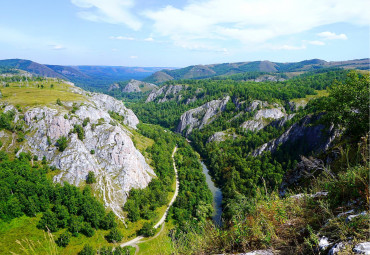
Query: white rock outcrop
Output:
(201,116)
(263,116)
(167,92)
(107,149)
(135,86)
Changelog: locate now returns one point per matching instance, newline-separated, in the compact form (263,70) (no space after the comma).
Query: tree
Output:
(348,104)
(90,178)
(87,230)
(147,230)
(62,143)
(48,221)
(63,239)
(87,250)
(108,221)
(114,236)
(80,132)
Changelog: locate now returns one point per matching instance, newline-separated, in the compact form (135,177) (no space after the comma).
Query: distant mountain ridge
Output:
(207,71)
(90,76)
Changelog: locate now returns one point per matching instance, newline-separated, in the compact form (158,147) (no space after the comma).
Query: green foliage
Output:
(348,104)
(109,221)
(80,131)
(59,102)
(194,194)
(90,178)
(116,116)
(62,143)
(87,250)
(142,203)
(114,236)
(147,230)
(86,120)
(63,239)
(6,120)
(167,113)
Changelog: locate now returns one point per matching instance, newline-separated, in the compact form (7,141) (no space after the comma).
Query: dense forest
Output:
(167,113)
(26,190)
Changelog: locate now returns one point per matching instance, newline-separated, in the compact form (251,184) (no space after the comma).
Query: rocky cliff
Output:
(165,93)
(265,113)
(105,147)
(315,137)
(201,116)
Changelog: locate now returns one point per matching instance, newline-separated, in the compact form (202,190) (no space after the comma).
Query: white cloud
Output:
(109,11)
(318,43)
(134,57)
(251,22)
(57,47)
(149,39)
(287,47)
(121,38)
(332,36)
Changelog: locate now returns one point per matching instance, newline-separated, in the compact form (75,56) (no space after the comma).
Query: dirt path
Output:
(138,239)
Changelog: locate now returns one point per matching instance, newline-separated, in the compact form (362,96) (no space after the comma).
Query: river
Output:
(217,197)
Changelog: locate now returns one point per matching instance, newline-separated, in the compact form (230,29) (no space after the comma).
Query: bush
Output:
(87,250)
(59,102)
(62,143)
(147,230)
(63,239)
(80,132)
(108,221)
(87,230)
(90,178)
(114,236)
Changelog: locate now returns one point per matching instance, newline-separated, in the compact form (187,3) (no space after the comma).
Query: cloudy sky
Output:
(176,33)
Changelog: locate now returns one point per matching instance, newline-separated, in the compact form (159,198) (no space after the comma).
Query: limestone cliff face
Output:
(135,86)
(166,93)
(315,136)
(202,115)
(107,149)
(264,115)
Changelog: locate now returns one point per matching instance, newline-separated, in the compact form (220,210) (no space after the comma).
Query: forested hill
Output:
(206,71)
(88,77)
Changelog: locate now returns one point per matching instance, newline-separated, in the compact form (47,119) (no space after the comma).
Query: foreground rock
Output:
(106,148)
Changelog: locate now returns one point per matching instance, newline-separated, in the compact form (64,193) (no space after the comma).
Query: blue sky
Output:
(180,33)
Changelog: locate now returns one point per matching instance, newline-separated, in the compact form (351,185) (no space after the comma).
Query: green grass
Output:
(305,100)
(162,244)
(31,95)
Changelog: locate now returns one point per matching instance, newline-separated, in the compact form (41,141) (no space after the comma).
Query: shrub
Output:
(90,178)
(87,250)
(147,230)
(87,230)
(62,143)
(114,236)
(59,102)
(63,239)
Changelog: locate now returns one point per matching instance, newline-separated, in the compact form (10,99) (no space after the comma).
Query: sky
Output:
(175,33)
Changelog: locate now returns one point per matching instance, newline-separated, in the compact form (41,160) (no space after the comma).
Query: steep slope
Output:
(96,142)
(32,67)
(201,116)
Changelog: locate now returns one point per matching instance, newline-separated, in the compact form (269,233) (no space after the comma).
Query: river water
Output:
(217,196)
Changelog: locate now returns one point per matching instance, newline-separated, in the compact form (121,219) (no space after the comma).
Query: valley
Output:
(218,162)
